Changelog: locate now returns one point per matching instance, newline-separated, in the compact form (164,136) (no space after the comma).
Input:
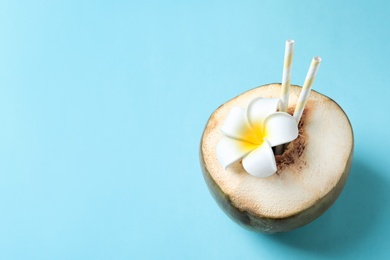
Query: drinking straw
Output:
(285,91)
(286,79)
(310,77)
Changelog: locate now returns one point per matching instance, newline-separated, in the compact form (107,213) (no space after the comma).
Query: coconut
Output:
(311,172)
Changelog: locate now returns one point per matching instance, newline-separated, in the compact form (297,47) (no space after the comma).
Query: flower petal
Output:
(260,162)
(259,109)
(236,126)
(280,128)
(231,150)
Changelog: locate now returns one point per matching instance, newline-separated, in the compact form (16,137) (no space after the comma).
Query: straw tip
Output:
(290,41)
(317,59)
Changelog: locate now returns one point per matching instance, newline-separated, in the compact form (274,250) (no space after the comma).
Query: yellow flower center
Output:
(252,136)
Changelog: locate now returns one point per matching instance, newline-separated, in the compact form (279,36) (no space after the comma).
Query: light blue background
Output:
(103,103)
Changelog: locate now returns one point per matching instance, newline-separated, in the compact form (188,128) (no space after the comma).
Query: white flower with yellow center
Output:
(250,135)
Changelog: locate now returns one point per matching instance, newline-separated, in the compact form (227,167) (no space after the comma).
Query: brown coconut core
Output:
(293,151)
(309,170)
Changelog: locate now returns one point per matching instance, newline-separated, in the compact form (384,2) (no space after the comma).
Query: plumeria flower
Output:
(250,135)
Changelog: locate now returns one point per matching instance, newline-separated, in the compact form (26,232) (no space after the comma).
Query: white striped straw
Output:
(310,77)
(286,79)
(285,91)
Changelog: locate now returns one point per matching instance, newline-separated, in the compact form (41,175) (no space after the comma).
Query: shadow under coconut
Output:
(345,225)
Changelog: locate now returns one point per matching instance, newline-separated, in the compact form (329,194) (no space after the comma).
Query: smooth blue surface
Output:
(103,103)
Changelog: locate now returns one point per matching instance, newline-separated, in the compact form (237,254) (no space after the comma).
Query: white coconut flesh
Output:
(309,169)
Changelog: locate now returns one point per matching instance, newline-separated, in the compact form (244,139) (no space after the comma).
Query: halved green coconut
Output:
(311,172)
